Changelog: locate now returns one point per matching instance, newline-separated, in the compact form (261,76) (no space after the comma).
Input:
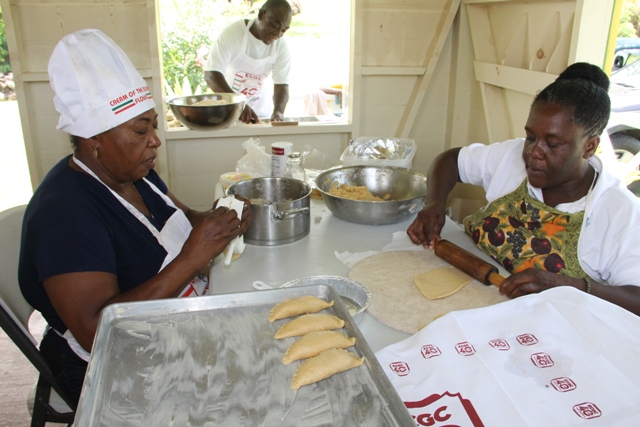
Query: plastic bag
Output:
(314,159)
(314,162)
(256,161)
(379,151)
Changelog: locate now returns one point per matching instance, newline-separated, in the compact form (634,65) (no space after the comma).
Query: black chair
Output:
(50,404)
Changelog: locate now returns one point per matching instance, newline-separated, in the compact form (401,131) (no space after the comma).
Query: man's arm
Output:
(280,100)
(216,82)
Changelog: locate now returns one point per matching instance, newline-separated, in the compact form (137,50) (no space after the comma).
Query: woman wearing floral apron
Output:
(102,227)
(243,57)
(555,216)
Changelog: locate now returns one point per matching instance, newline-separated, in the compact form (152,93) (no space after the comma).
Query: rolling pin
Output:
(465,261)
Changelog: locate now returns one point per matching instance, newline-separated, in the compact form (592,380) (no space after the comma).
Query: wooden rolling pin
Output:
(480,270)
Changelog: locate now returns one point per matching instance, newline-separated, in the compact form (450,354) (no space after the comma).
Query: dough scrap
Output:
(309,323)
(315,343)
(324,365)
(296,306)
(441,282)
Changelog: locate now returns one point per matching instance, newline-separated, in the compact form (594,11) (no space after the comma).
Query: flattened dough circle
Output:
(441,282)
(397,302)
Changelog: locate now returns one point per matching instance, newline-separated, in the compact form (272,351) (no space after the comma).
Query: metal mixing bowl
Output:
(207,117)
(355,297)
(407,190)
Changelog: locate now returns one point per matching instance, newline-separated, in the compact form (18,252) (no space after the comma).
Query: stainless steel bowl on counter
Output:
(406,188)
(355,297)
(207,117)
(280,209)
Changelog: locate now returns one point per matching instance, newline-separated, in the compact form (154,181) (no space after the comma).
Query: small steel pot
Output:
(285,215)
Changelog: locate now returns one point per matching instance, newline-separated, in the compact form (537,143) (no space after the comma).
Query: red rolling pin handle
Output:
(465,261)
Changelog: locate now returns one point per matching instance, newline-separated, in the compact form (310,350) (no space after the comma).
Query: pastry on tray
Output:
(323,366)
(296,306)
(309,323)
(314,343)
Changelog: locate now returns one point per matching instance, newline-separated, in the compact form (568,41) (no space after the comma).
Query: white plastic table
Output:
(315,255)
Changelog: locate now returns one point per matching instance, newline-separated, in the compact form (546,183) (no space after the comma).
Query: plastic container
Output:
(229,178)
(279,152)
(379,151)
(294,167)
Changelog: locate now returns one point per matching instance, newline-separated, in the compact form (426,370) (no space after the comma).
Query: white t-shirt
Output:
(608,250)
(228,46)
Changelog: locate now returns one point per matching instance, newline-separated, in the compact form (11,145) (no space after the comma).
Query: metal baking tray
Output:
(213,360)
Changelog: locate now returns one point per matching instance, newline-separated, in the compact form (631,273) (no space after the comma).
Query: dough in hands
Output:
(441,282)
(295,306)
(315,343)
(324,365)
(309,323)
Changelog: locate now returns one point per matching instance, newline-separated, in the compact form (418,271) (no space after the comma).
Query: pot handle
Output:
(261,285)
(282,215)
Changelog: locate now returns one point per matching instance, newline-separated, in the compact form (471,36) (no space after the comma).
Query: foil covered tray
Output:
(213,361)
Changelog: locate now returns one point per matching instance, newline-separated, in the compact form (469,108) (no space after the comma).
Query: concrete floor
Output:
(17,375)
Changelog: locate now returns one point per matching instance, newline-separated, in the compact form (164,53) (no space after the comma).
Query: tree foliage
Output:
(5,65)
(630,19)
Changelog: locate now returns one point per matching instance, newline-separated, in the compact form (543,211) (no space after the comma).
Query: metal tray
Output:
(213,361)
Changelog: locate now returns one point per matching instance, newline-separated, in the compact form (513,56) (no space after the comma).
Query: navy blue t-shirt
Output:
(73,223)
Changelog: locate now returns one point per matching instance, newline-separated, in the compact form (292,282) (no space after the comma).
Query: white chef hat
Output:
(96,86)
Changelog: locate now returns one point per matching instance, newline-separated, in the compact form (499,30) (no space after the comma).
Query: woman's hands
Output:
(425,229)
(441,178)
(215,230)
(532,281)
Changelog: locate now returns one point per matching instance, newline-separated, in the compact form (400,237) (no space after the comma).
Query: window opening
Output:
(318,40)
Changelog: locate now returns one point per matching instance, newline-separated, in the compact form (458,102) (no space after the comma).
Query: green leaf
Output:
(527,254)
(506,249)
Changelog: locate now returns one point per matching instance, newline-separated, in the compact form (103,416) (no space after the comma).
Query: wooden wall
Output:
(33,29)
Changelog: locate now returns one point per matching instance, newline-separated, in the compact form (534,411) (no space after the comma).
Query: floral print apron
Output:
(521,232)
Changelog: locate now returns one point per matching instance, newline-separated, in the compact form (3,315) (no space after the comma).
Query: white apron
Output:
(172,237)
(247,75)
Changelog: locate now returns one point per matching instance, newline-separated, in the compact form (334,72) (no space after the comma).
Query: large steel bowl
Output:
(407,189)
(207,117)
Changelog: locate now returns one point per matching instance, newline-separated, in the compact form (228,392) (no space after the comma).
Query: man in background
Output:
(246,53)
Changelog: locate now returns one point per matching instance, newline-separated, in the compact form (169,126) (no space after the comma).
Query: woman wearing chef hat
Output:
(555,216)
(102,227)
